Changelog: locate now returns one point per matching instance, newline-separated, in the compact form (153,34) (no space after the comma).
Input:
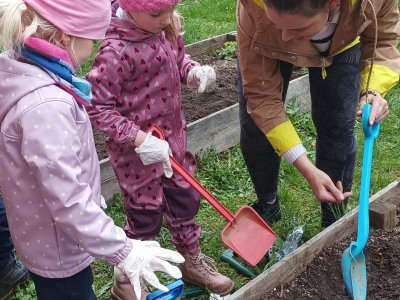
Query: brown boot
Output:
(123,289)
(199,270)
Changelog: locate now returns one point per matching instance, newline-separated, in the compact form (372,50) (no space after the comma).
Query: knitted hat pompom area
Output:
(146,5)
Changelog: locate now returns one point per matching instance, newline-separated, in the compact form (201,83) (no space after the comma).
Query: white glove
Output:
(103,203)
(201,78)
(145,258)
(154,150)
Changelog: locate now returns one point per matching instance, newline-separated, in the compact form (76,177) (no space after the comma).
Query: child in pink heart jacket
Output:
(136,77)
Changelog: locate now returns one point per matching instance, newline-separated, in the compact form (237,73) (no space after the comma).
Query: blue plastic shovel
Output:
(174,290)
(354,270)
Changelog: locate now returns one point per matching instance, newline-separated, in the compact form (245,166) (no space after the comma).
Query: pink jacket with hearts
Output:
(136,78)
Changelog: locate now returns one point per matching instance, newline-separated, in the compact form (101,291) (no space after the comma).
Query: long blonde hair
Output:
(174,29)
(19,22)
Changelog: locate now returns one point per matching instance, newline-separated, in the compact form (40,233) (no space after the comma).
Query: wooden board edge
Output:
(209,44)
(295,263)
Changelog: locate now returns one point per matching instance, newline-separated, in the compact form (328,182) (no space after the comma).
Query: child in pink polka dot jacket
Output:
(136,77)
(50,175)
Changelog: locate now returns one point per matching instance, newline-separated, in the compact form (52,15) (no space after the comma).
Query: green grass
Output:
(206,18)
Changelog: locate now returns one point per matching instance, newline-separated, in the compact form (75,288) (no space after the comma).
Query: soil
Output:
(197,106)
(323,280)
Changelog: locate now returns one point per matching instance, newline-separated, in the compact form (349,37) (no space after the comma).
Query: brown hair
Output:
(174,29)
(305,7)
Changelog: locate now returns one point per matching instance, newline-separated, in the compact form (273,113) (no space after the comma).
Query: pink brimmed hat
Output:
(86,19)
(146,5)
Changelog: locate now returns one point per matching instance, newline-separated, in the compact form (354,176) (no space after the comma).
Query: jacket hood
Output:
(17,79)
(124,30)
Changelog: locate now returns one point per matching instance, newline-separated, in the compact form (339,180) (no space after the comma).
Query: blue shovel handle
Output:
(370,133)
(174,290)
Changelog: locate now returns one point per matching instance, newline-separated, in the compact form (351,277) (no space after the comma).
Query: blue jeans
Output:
(76,287)
(6,245)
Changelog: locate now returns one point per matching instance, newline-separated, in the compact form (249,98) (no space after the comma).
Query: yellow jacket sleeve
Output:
(283,137)
(386,69)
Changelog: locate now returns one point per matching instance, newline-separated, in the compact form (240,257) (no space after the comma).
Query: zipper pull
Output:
(324,74)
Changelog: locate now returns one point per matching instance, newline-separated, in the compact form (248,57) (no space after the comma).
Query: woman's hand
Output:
(380,107)
(325,190)
(321,184)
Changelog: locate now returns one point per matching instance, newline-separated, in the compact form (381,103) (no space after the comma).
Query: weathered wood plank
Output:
(106,170)
(382,215)
(219,131)
(207,45)
(295,263)
(299,92)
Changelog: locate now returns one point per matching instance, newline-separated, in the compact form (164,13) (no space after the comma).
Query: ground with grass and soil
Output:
(323,280)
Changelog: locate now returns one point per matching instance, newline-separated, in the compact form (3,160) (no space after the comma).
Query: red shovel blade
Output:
(248,235)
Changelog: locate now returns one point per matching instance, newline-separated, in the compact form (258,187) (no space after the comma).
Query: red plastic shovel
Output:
(246,234)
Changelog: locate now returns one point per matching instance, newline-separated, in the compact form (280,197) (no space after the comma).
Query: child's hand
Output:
(145,258)
(201,78)
(154,150)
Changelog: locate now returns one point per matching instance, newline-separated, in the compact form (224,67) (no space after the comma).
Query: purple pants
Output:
(179,206)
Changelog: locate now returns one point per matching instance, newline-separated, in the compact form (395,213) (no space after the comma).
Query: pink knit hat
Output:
(86,19)
(146,5)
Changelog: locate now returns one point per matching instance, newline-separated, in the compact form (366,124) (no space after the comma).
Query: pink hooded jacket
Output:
(136,78)
(50,176)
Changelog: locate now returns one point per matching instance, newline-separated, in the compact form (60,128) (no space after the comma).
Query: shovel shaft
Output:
(363,217)
(201,190)
(193,182)
(370,133)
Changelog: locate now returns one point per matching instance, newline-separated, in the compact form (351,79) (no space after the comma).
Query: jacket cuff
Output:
(283,137)
(294,153)
(382,79)
(122,254)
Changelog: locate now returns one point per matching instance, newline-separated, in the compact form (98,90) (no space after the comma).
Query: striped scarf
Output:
(322,40)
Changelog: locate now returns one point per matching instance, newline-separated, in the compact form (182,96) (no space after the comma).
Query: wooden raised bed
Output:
(295,263)
(219,130)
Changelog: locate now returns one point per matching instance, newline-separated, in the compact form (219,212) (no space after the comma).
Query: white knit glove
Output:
(154,150)
(145,258)
(201,78)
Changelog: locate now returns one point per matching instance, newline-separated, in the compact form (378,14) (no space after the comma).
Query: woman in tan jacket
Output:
(336,40)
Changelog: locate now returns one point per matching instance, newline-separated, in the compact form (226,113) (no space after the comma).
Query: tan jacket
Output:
(260,48)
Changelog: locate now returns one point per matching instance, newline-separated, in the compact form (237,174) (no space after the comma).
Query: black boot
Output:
(270,213)
(13,274)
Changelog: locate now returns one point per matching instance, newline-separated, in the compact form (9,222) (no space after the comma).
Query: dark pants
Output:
(76,287)
(6,246)
(179,207)
(333,104)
